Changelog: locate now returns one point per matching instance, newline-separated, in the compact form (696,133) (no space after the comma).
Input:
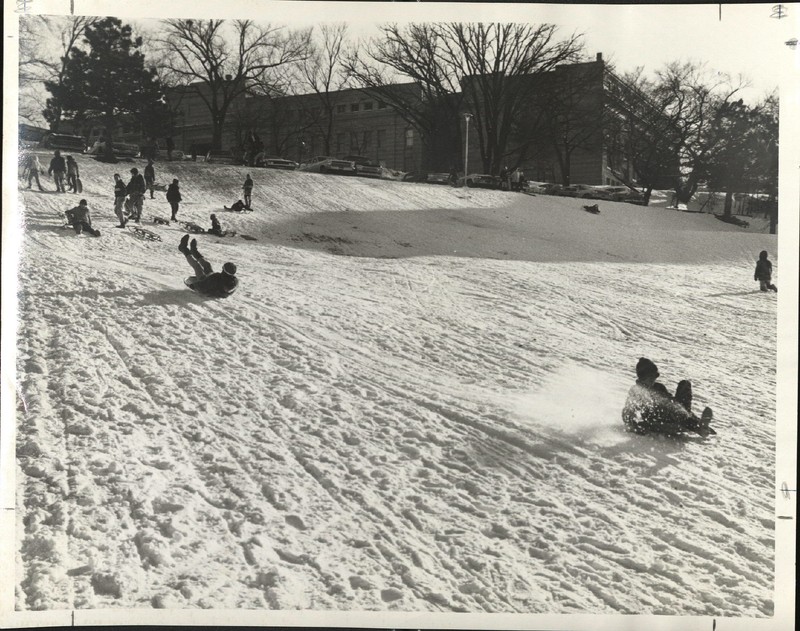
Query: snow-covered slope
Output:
(411,403)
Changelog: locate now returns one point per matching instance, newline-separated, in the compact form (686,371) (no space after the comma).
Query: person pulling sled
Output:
(206,281)
(650,408)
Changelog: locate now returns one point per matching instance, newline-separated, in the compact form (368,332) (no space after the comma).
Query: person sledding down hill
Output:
(650,408)
(206,281)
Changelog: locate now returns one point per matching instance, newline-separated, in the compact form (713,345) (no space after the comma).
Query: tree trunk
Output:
(108,150)
(216,135)
(728,203)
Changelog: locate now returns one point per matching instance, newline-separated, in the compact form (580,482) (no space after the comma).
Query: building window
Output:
(409,138)
(380,138)
(341,109)
(368,105)
(353,107)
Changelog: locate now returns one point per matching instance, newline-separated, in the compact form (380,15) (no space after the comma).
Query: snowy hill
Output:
(412,403)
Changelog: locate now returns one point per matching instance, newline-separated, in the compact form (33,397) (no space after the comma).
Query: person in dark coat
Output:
(174,198)
(206,281)
(80,219)
(58,169)
(651,408)
(73,173)
(150,177)
(764,272)
(248,191)
(135,189)
(119,199)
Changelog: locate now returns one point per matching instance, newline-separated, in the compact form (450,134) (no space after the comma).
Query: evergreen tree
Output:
(106,81)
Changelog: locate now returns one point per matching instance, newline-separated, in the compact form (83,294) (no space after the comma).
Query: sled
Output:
(192,227)
(248,237)
(594,209)
(160,221)
(144,234)
(78,185)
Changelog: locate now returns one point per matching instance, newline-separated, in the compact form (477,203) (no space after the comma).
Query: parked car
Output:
(429,178)
(121,149)
(624,194)
(364,166)
(215,156)
(482,180)
(540,188)
(584,191)
(276,162)
(63,141)
(326,164)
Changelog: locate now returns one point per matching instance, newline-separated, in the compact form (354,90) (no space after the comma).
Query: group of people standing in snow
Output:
(64,171)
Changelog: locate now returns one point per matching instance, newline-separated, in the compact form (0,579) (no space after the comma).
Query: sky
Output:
(746,40)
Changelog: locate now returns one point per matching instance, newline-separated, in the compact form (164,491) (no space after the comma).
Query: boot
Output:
(183,247)
(193,247)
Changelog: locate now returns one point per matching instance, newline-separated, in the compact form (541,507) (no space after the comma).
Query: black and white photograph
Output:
(400,314)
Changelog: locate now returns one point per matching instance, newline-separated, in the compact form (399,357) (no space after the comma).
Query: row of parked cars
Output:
(587,191)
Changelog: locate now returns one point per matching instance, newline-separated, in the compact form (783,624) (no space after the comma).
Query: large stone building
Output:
(562,132)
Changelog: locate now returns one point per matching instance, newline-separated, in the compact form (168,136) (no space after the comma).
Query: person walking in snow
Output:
(33,167)
(135,189)
(248,191)
(206,281)
(150,177)
(119,199)
(80,219)
(174,198)
(72,174)
(58,169)
(764,272)
(651,408)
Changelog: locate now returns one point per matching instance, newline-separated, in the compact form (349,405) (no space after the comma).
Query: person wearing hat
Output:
(174,198)
(80,219)
(763,272)
(206,281)
(651,408)
(135,189)
(58,169)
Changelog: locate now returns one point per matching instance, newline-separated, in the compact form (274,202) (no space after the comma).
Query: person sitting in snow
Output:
(216,227)
(80,219)
(238,206)
(206,281)
(764,272)
(651,408)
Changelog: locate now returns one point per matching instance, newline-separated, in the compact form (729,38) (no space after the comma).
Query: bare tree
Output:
(323,71)
(566,113)
(692,97)
(220,67)
(70,30)
(487,68)
(432,103)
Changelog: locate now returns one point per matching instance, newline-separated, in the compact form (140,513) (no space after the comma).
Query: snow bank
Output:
(410,404)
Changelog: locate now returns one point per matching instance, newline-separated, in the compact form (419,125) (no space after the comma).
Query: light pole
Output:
(467,116)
